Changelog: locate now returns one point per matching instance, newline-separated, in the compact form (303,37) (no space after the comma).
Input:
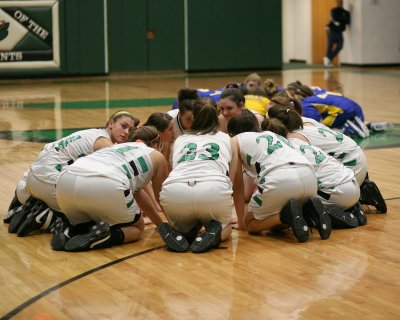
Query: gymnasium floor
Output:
(354,274)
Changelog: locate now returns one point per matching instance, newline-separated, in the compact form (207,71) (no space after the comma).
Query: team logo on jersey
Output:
(3,29)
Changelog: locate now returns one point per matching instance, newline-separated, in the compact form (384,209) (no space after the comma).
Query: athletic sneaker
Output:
(14,208)
(11,213)
(292,215)
(209,239)
(370,195)
(352,129)
(341,219)
(380,126)
(95,238)
(40,217)
(317,216)
(172,238)
(357,120)
(359,213)
(60,229)
(327,62)
(21,215)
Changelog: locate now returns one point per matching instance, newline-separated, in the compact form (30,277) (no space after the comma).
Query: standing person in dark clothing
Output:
(337,24)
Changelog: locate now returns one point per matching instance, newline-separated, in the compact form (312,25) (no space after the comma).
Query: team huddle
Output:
(249,156)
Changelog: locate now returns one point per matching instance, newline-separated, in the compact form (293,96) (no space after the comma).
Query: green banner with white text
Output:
(29,35)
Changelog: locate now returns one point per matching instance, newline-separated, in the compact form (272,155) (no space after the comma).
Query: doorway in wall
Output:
(320,17)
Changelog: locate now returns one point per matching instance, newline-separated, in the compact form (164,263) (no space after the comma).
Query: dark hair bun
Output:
(232,85)
(187,94)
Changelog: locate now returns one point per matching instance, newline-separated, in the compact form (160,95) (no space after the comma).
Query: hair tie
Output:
(287,110)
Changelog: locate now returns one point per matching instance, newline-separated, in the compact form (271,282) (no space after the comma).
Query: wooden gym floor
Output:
(354,274)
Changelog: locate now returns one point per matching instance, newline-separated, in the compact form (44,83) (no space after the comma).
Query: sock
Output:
(117,237)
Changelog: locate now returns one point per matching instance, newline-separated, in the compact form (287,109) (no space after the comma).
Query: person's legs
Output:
(359,213)
(226,232)
(41,215)
(187,203)
(104,201)
(21,191)
(360,167)
(317,216)
(98,237)
(209,239)
(65,193)
(253,225)
(101,235)
(341,219)
(338,40)
(299,183)
(339,117)
(177,201)
(291,215)
(249,186)
(174,240)
(371,195)
(270,207)
(43,191)
(343,196)
(331,42)
(192,204)
(132,232)
(182,227)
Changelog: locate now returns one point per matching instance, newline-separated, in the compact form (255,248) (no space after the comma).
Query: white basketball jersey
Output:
(56,155)
(201,157)
(334,143)
(178,127)
(173,113)
(262,152)
(314,122)
(128,163)
(329,171)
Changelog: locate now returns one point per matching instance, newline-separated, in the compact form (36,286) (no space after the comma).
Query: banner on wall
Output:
(29,35)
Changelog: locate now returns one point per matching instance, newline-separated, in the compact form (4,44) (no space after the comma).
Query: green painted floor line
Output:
(128,103)
(389,139)
(45,136)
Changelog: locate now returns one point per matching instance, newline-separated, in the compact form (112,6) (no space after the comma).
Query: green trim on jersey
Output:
(127,171)
(143,164)
(130,203)
(257,200)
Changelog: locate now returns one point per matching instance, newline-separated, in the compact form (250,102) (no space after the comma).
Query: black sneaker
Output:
(172,238)
(11,213)
(370,195)
(341,219)
(359,213)
(317,216)
(21,215)
(60,229)
(95,238)
(209,239)
(14,208)
(292,215)
(40,217)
